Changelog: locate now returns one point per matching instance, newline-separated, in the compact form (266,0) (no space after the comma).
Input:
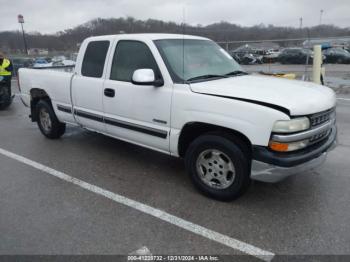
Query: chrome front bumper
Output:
(270,173)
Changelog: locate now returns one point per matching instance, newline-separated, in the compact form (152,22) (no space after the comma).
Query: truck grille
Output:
(323,124)
(321,118)
(319,137)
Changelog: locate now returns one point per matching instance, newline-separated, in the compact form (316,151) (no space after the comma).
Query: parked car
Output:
(58,58)
(63,63)
(271,56)
(21,63)
(337,56)
(248,59)
(295,56)
(229,126)
(245,55)
(41,62)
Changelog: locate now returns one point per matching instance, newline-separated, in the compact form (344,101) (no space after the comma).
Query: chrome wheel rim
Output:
(45,120)
(215,169)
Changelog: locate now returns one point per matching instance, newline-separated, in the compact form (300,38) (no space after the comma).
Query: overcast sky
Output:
(49,16)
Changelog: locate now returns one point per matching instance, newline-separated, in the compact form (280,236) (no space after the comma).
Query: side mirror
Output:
(146,77)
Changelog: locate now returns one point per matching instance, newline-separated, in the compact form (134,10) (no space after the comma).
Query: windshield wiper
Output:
(236,73)
(206,77)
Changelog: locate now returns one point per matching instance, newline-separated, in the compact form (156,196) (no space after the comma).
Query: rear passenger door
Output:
(87,86)
(137,113)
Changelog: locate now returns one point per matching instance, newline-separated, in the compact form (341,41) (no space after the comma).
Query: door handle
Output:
(109,92)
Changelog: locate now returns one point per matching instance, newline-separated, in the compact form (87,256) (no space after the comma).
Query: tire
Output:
(5,97)
(340,61)
(47,120)
(229,177)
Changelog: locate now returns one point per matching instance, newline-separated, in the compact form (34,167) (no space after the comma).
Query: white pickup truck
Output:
(186,97)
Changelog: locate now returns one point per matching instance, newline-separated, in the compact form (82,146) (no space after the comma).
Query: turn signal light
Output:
(288,147)
(280,147)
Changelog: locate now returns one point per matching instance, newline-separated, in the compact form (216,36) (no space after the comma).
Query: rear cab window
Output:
(94,59)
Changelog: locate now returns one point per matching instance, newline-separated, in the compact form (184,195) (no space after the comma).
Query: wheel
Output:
(48,122)
(339,61)
(218,166)
(283,61)
(5,97)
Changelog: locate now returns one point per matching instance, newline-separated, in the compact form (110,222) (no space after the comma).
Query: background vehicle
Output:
(229,126)
(41,62)
(295,56)
(247,59)
(246,55)
(5,94)
(337,56)
(63,63)
(271,56)
(58,58)
(21,63)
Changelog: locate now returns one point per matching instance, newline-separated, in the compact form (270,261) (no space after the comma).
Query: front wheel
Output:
(48,122)
(218,167)
(340,61)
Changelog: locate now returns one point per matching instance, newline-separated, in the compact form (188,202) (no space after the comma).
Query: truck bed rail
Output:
(67,68)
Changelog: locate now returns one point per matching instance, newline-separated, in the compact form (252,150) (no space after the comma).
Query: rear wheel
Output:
(218,167)
(48,122)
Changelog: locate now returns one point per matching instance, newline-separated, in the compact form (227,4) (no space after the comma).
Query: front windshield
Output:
(188,59)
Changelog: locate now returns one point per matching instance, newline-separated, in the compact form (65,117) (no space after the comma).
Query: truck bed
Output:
(55,83)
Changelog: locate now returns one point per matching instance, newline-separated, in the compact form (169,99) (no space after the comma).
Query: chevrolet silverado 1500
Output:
(186,97)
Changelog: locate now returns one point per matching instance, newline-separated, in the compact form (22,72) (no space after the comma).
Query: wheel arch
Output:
(193,130)
(37,94)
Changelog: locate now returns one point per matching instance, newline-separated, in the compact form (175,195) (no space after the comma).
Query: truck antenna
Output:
(183,42)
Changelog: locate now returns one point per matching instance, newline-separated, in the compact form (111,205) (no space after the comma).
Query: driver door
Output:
(136,113)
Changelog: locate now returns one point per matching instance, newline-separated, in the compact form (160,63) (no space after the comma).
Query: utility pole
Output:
(21,21)
(301,23)
(321,14)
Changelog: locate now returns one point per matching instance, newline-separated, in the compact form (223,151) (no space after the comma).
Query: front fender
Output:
(252,120)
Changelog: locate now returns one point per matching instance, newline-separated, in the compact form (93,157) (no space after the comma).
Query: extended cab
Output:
(186,97)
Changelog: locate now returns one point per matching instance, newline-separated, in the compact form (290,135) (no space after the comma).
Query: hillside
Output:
(223,31)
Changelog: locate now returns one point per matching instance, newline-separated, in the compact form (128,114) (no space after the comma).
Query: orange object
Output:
(283,75)
(280,147)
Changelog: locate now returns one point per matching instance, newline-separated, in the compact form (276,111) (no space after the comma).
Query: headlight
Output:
(291,126)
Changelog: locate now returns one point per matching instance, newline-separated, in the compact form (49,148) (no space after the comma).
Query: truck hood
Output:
(297,97)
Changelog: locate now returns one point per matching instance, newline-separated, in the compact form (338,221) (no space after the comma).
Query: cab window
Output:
(130,56)
(94,59)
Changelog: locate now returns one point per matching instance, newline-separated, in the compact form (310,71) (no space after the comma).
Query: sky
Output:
(50,16)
